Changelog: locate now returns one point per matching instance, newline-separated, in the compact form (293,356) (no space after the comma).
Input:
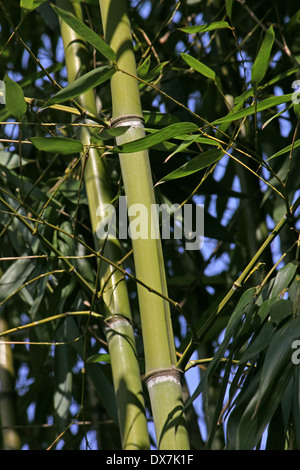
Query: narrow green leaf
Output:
(261,106)
(200,139)
(278,356)
(185,144)
(99,358)
(285,150)
(283,278)
(265,124)
(197,163)
(261,62)
(296,405)
(260,342)
(62,379)
(86,33)
(250,91)
(255,418)
(14,277)
(198,66)
(264,309)
(61,145)
(31,4)
(150,75)
(153,118)
(169,132)
(229,8)
(15,102)
(11,160)
(276,428)
(280,310)
(205,27)
(143,68)
(245,303)
(186,141)
(109,134)
(82,84)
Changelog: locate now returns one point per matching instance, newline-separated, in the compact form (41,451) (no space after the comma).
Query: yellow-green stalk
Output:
(162,377)
(10,437)
(118,327)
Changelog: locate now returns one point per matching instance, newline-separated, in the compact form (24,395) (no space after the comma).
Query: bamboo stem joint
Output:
(154,377)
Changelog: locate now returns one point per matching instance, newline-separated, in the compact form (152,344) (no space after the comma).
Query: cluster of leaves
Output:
(216,88)
(260,338)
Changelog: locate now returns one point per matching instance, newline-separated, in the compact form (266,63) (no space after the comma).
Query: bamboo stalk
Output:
(162,377)
(118,326)
(10,437)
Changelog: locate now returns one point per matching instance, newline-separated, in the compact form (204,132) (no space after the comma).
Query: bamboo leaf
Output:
(285,150)
(82,84)
(143,68)
(153,118)
(261,342)
(86,33)
(261,62)
(61,145)
(14,277)
(280,310)
(296,406)
(31,4)
(15,102)
(205,27)
(198,66)
(197,163)
(283,278)
(229,8)
(109,134)
(99,358)
(278,354)
(63,380)
(245,305)
(11,160)
(147,75)
(254,420)
(169,132)
(185,144)
(261,106)
(278,357)
(275,116)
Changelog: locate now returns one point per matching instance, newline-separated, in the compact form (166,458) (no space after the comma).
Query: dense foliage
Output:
(230,68)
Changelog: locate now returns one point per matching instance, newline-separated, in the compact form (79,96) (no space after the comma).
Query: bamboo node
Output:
(236,286)
(116,318)
(172,374)
(127,120)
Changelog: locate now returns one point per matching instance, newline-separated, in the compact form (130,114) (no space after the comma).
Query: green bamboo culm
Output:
(118,321)
(162,377)
(10,436)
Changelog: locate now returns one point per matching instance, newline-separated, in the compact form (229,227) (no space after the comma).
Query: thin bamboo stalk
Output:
(10,437)
(162,377)
(118,325)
